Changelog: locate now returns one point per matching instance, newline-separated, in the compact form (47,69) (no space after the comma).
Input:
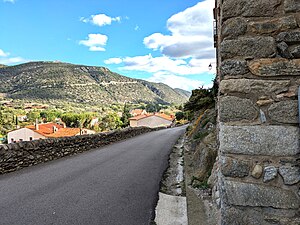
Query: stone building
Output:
(258,68)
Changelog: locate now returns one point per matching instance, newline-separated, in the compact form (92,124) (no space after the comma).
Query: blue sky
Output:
(167,41)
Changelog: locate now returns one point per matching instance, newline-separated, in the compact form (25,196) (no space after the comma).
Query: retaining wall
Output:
(16,156)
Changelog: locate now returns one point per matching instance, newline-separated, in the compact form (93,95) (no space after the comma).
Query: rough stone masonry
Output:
(16,156)
(258,69)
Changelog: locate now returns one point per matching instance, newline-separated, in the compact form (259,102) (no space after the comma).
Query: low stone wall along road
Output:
(114,185)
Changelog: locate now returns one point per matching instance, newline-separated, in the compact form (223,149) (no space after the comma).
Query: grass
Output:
(205,122)
(196,183)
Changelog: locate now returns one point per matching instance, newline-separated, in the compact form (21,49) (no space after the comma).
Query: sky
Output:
(168,41)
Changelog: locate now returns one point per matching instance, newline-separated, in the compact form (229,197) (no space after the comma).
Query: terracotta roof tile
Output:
(165,116)
(65,132)
(45,128)
(140,117)
(161,115)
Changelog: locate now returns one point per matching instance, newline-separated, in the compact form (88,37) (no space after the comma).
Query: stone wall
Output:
(16,156)
(258,57)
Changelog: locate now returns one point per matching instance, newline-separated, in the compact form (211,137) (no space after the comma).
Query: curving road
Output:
(115,185)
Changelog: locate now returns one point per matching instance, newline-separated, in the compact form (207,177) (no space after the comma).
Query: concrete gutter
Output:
(172,206)
(171,210)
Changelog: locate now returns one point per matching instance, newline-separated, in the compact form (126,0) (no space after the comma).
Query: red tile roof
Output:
(165,116)
(140,117)
(45,129)
(65,132)
(161,115)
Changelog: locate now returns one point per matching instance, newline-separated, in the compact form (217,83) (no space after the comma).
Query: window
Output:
(12,140)
(20,140)
(30,138)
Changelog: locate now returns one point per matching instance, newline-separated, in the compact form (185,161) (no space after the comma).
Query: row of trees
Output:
(9,119)
(108,120)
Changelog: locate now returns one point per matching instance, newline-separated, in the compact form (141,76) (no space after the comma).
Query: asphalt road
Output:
(114,185)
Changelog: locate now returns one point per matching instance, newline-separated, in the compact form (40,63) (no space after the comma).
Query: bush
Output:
(179,115)
(202,98)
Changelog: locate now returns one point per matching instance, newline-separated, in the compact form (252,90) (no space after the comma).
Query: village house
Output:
(137,112)
(43,131)
(21,118)
(94,121)
(7,103)
(31,106)
(152,120)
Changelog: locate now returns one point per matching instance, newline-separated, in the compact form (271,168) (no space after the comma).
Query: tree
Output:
(125,116)
(153,108)
(82,120)
(33,115)
(201,98)
(50,115)
(70,119)
(1,115)
(179,115)
(110,122)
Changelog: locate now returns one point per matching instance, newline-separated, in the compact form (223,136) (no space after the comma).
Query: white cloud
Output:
(3,54)
(101,19)
(12,60)
(11,1)
(113,61)
(176,81)
(85,20)
(150,64)
(191,33)
(95,42)
(186,50)
(6,60)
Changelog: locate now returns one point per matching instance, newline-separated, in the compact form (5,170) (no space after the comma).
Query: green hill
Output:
(182,92)
(50,81)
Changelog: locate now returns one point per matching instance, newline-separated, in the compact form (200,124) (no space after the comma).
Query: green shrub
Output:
(200,135)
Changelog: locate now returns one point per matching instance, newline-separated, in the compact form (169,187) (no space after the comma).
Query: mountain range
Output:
(48,81)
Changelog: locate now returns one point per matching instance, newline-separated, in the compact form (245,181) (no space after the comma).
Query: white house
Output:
(42,131)
(23,134)
(137,112)
(21,118)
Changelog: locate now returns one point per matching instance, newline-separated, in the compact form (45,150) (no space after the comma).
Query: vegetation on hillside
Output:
(98,118)
(202,136)
(77,95)
(62,82)
(202,98)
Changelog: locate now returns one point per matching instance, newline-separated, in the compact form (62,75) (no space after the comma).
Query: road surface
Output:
(113,185)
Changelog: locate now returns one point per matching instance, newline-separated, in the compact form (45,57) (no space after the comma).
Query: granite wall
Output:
(258,64)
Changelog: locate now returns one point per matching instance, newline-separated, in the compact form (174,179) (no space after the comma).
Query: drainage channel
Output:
(171,208)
